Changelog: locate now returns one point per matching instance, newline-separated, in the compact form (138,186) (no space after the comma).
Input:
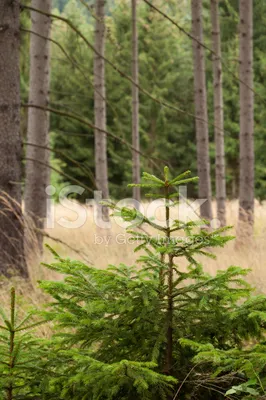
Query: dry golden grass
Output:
(115,250)
(82,245)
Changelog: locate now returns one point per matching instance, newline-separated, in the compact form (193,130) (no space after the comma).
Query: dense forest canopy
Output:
(60,4)
(165,62)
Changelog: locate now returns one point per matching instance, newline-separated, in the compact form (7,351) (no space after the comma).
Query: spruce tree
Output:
(156,330)
(122,330)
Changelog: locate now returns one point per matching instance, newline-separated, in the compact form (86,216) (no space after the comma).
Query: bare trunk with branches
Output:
(218,114)
(202,131)
(11,222)
(135,103)
(37,175)
(246,187)
(101,166)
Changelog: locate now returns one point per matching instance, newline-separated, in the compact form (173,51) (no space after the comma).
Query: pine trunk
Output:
(135,103)
(37,175)
(11,222)
(200,95)
(246,187)
(218,114)
(101,167)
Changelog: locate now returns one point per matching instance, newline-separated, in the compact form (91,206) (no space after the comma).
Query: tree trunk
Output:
(135,103)
(170,304)
(101,167)
(202,132)
(218,114)
(11,223)
(246,187)
(37,175)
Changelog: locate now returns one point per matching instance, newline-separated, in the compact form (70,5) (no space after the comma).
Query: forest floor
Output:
(113,246)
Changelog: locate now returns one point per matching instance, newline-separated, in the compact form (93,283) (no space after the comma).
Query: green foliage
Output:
(20,371)
(72,89)
(245,365)
(151,331)
(166,71)
(133,332)
(60,4)
(247,361)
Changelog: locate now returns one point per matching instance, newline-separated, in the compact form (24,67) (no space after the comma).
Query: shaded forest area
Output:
(166,71)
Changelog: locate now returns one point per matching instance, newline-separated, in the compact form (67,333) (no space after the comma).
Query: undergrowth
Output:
(147,331)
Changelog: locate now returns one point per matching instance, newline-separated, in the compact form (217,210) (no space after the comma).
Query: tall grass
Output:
(117,248)
(83,243)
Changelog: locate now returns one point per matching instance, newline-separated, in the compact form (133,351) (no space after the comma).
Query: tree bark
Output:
(246,187)
(200,96)
(37,175)
(11,224)
(218,114)
(101,166)
(135,103)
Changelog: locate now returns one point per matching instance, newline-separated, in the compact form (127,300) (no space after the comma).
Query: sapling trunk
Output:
(169,345)
(161,278)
